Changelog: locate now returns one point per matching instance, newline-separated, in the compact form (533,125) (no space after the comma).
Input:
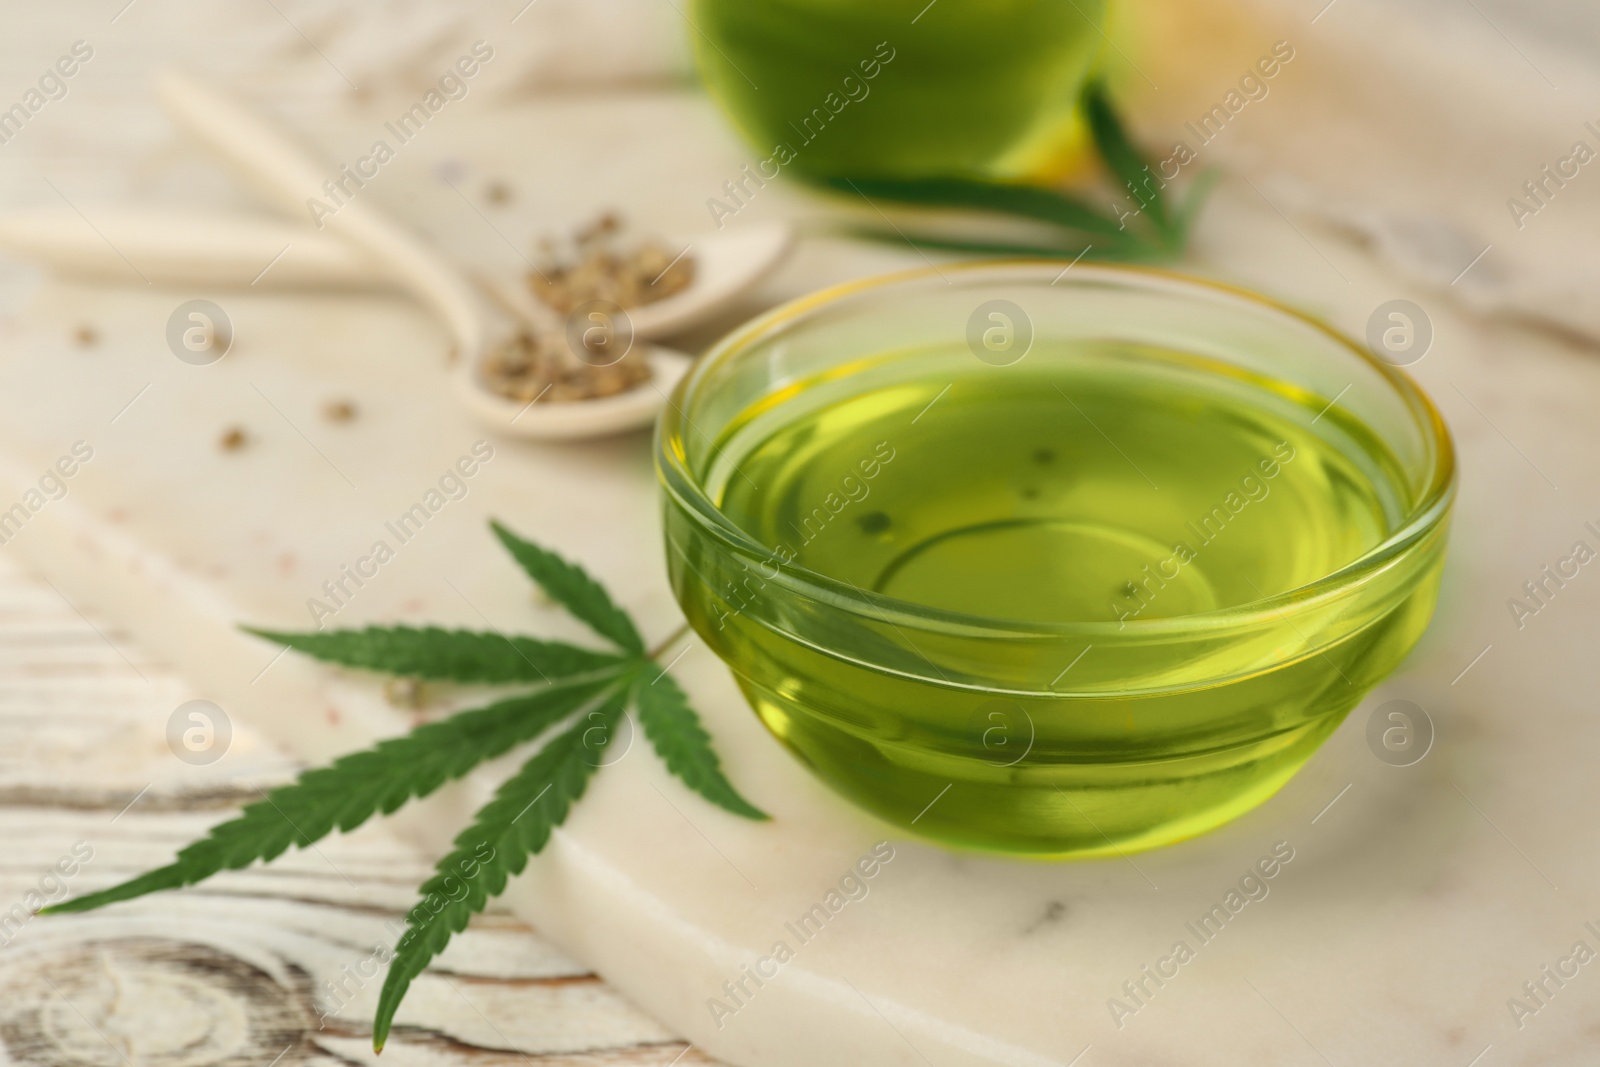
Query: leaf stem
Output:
(671,639)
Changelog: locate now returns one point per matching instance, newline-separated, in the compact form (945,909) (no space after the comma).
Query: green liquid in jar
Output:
(1096,484)
(902,88)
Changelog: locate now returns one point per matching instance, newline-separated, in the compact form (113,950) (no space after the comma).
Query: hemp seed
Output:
(597,265)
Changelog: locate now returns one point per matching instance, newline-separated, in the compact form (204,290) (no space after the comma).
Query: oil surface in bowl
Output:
(1060,539)
(1109,486)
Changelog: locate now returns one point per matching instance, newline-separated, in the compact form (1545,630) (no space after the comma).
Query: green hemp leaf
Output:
(1150,230)
(580,697)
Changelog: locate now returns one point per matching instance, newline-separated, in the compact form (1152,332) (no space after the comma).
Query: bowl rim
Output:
(1432,507)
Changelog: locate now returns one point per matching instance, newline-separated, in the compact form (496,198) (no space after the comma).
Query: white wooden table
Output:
(278,965)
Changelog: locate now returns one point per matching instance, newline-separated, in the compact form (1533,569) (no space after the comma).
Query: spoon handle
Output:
(265,156)
(187,248)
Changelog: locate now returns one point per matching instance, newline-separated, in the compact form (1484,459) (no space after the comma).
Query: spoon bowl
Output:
(726,266)
(576,420)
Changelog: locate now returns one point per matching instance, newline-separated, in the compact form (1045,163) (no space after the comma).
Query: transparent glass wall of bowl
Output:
(1171,726)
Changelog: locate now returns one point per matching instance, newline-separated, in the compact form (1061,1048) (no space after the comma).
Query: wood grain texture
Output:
(277,965)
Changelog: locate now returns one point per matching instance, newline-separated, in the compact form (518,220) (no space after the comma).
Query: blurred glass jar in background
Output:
(903,88)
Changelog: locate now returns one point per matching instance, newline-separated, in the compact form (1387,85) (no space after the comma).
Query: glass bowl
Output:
(1062,732)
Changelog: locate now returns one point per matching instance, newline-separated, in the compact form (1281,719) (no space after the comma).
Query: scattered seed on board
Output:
(404,693)
(232,439)
(339,411)
(86,335)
